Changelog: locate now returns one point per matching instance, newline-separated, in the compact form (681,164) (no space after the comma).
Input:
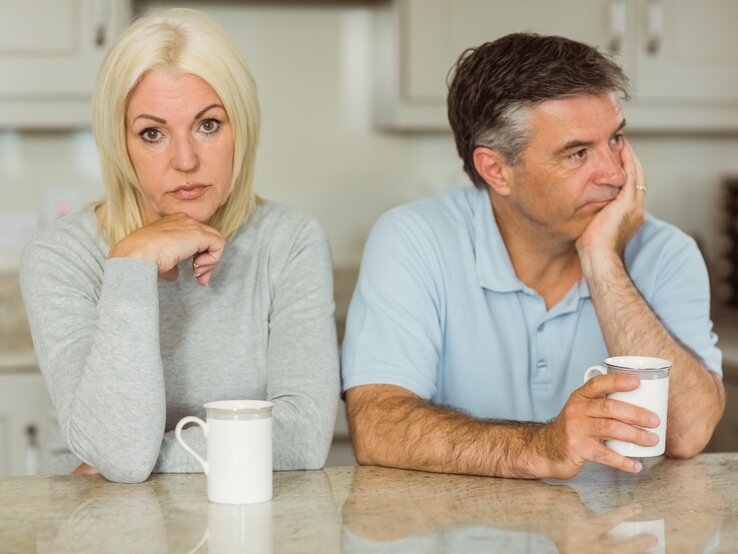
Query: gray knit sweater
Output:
(125,354)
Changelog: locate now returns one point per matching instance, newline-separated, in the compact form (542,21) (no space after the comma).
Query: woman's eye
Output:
(150,135)
(210,126)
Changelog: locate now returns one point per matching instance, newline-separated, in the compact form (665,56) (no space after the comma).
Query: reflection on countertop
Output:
(672,506)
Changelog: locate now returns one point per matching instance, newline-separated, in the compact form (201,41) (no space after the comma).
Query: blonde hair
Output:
(183,41)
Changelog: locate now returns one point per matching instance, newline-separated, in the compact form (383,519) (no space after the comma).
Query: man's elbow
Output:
(363,456)
(365,451)
(683,451)
(684,448)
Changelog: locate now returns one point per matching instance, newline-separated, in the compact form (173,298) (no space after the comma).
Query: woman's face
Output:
(180,142)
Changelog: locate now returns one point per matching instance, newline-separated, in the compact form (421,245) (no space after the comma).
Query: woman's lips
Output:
(189,192)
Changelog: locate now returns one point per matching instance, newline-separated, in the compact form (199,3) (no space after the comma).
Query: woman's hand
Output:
(171,239)
(84,469)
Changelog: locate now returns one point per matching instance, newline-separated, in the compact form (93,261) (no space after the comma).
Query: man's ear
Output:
(491,165)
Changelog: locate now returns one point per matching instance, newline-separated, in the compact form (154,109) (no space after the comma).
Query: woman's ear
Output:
(490,164)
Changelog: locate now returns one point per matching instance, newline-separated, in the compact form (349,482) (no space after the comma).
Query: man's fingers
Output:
(638,174)
(613,429)
(602,385)
(619,515)
(639,543)
(635,178)
(601,454)
(608,408)
(627,156)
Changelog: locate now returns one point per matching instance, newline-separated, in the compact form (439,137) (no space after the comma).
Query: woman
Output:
(128,336)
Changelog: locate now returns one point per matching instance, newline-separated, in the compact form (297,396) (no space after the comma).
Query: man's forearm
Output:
(630,327)
(405,431)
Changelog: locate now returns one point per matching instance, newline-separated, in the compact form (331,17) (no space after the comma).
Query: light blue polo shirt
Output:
(439,311)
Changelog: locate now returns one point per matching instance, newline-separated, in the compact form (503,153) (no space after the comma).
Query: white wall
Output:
(319,149)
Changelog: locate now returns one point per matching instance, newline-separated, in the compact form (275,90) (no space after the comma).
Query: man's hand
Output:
(170,240)
(589,417)
(612,228)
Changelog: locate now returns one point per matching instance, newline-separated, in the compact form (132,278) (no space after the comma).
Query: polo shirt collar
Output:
(494,268)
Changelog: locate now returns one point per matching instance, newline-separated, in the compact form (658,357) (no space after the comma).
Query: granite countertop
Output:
(672,506)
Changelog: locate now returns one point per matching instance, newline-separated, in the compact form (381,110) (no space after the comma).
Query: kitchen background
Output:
(352,96)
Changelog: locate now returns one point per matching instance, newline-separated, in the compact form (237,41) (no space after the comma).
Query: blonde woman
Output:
(180,286)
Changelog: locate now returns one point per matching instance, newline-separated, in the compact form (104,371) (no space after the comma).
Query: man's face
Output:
(571,168)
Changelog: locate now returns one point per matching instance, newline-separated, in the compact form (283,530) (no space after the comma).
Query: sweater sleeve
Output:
(302,353)
(95,327)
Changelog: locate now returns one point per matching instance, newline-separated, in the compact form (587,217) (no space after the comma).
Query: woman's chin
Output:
(198,213)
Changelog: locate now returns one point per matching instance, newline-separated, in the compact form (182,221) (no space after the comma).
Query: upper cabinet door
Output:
(687,51)
(681,55)
(50,52)
(436,32)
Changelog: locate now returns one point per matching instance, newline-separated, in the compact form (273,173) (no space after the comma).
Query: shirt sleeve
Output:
(680,297)
(393,330)
(95,327)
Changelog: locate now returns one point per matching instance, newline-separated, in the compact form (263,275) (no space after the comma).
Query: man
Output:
(477,312)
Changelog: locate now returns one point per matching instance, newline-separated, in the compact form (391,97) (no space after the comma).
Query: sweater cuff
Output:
(131,281)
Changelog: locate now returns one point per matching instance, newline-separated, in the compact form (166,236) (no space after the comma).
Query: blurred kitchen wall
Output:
(320,150)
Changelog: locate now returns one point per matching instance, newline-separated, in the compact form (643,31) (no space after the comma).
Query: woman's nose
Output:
(185,156)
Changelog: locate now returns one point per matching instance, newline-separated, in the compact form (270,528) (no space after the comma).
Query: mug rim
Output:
(648,363)
(239,406)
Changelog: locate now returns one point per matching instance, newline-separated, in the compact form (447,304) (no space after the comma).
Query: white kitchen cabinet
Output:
(681,56)
(24,404)
(50,52)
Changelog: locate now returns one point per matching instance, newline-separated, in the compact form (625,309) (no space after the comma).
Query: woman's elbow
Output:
(130,468)
(130,475)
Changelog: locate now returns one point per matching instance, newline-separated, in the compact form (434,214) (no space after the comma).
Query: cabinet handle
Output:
(100,18)
(655,26)
(617,26)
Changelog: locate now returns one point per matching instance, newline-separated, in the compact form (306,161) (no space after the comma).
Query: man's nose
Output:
(610,170)
(185,157)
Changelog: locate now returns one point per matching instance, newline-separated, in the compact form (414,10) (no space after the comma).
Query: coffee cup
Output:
(239,450)
(238,528)
(629,530)
(652,394)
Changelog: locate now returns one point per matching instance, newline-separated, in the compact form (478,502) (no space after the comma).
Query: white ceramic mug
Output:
(652,394)
(239,441)
(238,528)
(629,530)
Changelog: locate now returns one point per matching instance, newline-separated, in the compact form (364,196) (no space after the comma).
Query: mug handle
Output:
(178,433)
(590,371)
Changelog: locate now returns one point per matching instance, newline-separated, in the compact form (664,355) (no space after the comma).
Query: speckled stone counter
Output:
(672,506)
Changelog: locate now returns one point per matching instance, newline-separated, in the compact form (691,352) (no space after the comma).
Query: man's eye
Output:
(210,126)
(578,155)
(150,135)
(617,139)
